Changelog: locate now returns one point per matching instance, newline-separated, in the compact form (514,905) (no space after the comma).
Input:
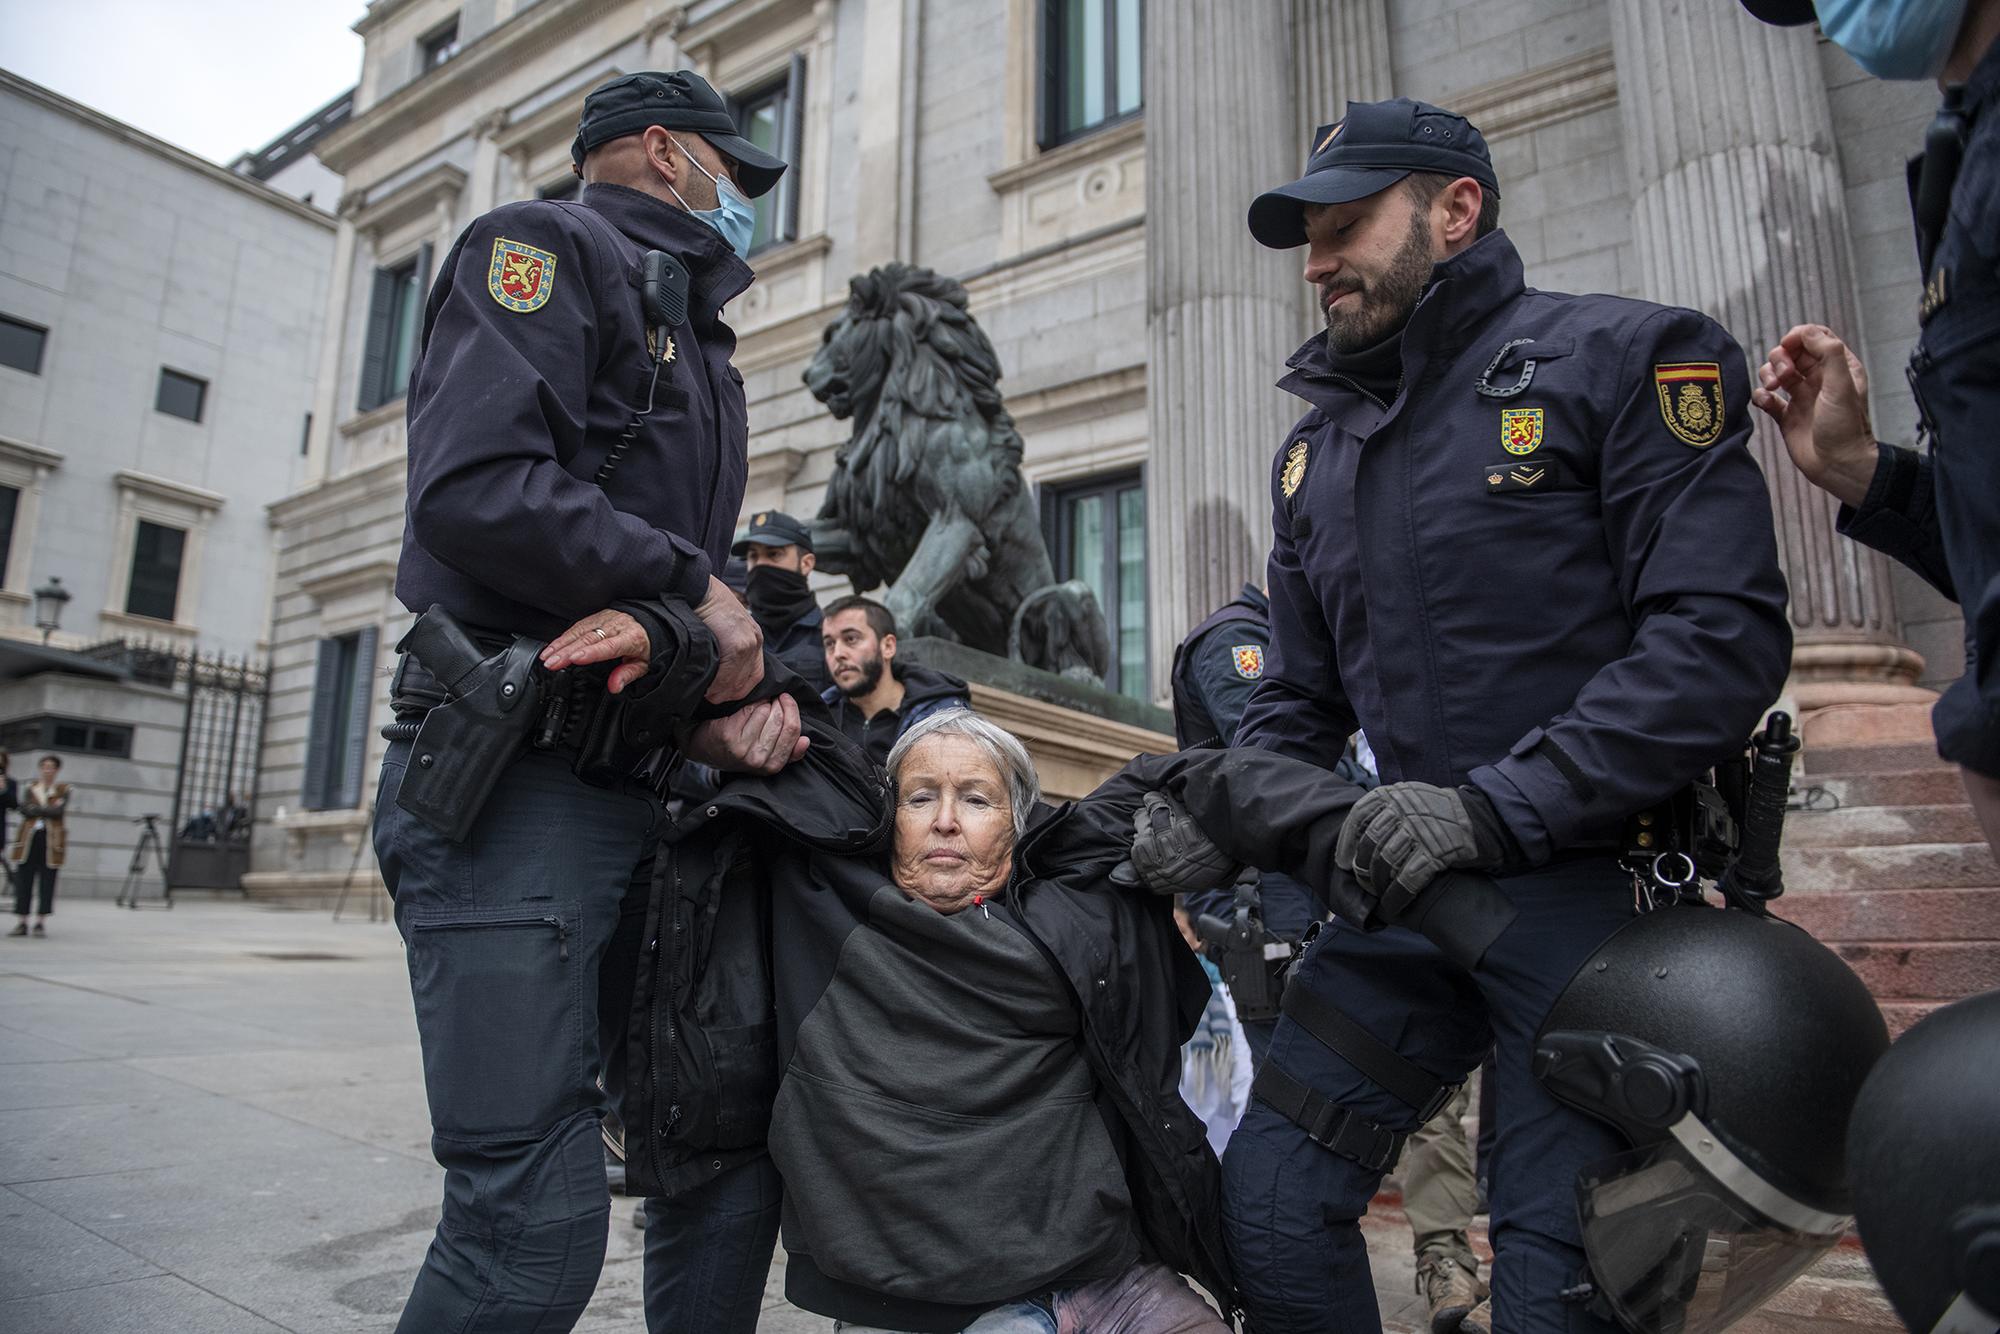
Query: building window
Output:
(437,46)
(1096,530)
(78,735)
(21,344)
(395,318)
(336,744)
(1090,66)
(770,120)
(180,395)
(306,436)
(156,571)
(10,504)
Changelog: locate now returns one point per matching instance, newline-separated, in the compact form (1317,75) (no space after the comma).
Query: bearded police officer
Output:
(577,453)
(1937,511)
(1520,541)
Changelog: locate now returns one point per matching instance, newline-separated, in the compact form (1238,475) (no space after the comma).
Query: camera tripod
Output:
(149,837)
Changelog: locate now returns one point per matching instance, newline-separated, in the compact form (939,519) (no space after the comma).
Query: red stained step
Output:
(1925,970)
(1881,757)
(1895,914)
(1902,787)
(1910,866)
(1871,826)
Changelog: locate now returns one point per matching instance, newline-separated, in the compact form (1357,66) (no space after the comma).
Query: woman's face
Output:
(954,824)
(47,769)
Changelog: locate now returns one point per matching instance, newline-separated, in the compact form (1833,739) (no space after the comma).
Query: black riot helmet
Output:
(1924,1149)
(1728,1047)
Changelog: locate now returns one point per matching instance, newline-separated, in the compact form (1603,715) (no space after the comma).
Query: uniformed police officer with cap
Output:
(577,454)
(1519,539)
(778,550)
(1938,511)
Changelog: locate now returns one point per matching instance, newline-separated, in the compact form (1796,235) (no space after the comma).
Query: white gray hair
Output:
(1002,747)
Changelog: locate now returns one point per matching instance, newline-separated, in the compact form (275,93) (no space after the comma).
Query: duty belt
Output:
(574,704)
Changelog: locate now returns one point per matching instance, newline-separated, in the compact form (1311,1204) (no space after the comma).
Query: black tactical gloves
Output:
(1401,837)
(1170,853)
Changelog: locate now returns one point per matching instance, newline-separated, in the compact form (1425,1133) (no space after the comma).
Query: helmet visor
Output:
(1675,1251)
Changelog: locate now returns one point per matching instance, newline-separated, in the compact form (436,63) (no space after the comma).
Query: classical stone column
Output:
(1340,55)
(1738,210)
(1221,311)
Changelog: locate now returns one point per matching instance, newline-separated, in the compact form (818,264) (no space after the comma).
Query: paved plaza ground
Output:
(212,1120)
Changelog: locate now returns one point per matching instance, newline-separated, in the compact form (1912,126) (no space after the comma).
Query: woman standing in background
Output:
(39,845)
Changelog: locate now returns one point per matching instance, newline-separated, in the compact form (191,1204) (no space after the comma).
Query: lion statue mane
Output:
(926,495)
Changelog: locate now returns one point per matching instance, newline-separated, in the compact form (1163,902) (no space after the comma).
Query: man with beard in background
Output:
(875,697)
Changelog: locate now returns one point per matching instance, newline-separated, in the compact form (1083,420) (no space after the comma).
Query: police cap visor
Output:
(1374,146)
(676,101)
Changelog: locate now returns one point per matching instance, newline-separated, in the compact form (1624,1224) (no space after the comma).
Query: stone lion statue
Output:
(927,495)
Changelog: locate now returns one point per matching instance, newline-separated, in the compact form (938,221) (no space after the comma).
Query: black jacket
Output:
(713,1022)
(925,691)
(534,363)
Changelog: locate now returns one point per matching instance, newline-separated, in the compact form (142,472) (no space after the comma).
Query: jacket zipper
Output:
(673,1018)
(544,919)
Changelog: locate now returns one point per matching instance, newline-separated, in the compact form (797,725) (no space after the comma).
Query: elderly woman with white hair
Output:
(977,1029)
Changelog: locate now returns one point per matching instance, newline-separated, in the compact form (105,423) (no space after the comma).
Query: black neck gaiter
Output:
(777,597)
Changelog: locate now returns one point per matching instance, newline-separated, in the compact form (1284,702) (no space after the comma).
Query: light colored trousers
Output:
(1439,1194)
(1145,1299)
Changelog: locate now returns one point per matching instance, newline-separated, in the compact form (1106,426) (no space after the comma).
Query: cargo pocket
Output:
(501,1017)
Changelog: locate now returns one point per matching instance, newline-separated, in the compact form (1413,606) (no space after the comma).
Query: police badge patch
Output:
(1690,394)
(1249,661)
(1520,430)
(1295,468)
(521,277)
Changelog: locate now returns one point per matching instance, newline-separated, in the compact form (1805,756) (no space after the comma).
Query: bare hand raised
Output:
(1814,387)
(739,643)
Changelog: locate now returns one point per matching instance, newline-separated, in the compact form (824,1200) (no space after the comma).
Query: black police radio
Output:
(663,297)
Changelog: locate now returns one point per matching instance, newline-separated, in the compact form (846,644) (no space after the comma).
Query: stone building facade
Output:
(159,336)
(1083,166)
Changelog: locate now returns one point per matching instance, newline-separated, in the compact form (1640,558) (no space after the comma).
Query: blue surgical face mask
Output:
(734,217)
(1893,39)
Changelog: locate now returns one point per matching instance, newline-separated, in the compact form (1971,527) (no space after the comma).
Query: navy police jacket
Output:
(1567,596)
(534,362)
(1939,512)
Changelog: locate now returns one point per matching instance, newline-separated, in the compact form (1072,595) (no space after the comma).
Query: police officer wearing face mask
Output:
(1937,511)
(577,455)
(1520,541)
(779,553)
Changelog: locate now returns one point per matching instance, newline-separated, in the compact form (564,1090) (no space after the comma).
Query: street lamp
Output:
(49,600)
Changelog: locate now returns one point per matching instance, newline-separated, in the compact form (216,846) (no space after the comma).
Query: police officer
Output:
(1939,511)
(546,503)
(1520,541)
(778,551)
(1214,670)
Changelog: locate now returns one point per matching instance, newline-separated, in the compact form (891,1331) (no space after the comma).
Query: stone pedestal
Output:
(1738,210)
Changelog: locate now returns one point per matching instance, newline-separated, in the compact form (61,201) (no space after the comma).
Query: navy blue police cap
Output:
(1783,13)
(1375,145)
(680,100)
(773,528)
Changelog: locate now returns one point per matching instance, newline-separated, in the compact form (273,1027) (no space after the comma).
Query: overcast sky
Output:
(216,77)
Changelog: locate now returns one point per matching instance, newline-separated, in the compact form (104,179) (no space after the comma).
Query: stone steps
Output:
(1814,870)
(1872,758)
(1924,970)
(1868,826)
(1922,786)
(1895,914)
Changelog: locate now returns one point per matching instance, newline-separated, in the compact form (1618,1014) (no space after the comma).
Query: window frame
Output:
(439,47)
(1050,102)
(1057,532)
(168,375)
(41,334)
(379,331)
(10,522)
(140,524)
(38,731)
(789,91)
(336,758)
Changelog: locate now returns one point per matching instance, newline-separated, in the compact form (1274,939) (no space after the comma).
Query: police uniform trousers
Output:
(523,942)
(1291,1208)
